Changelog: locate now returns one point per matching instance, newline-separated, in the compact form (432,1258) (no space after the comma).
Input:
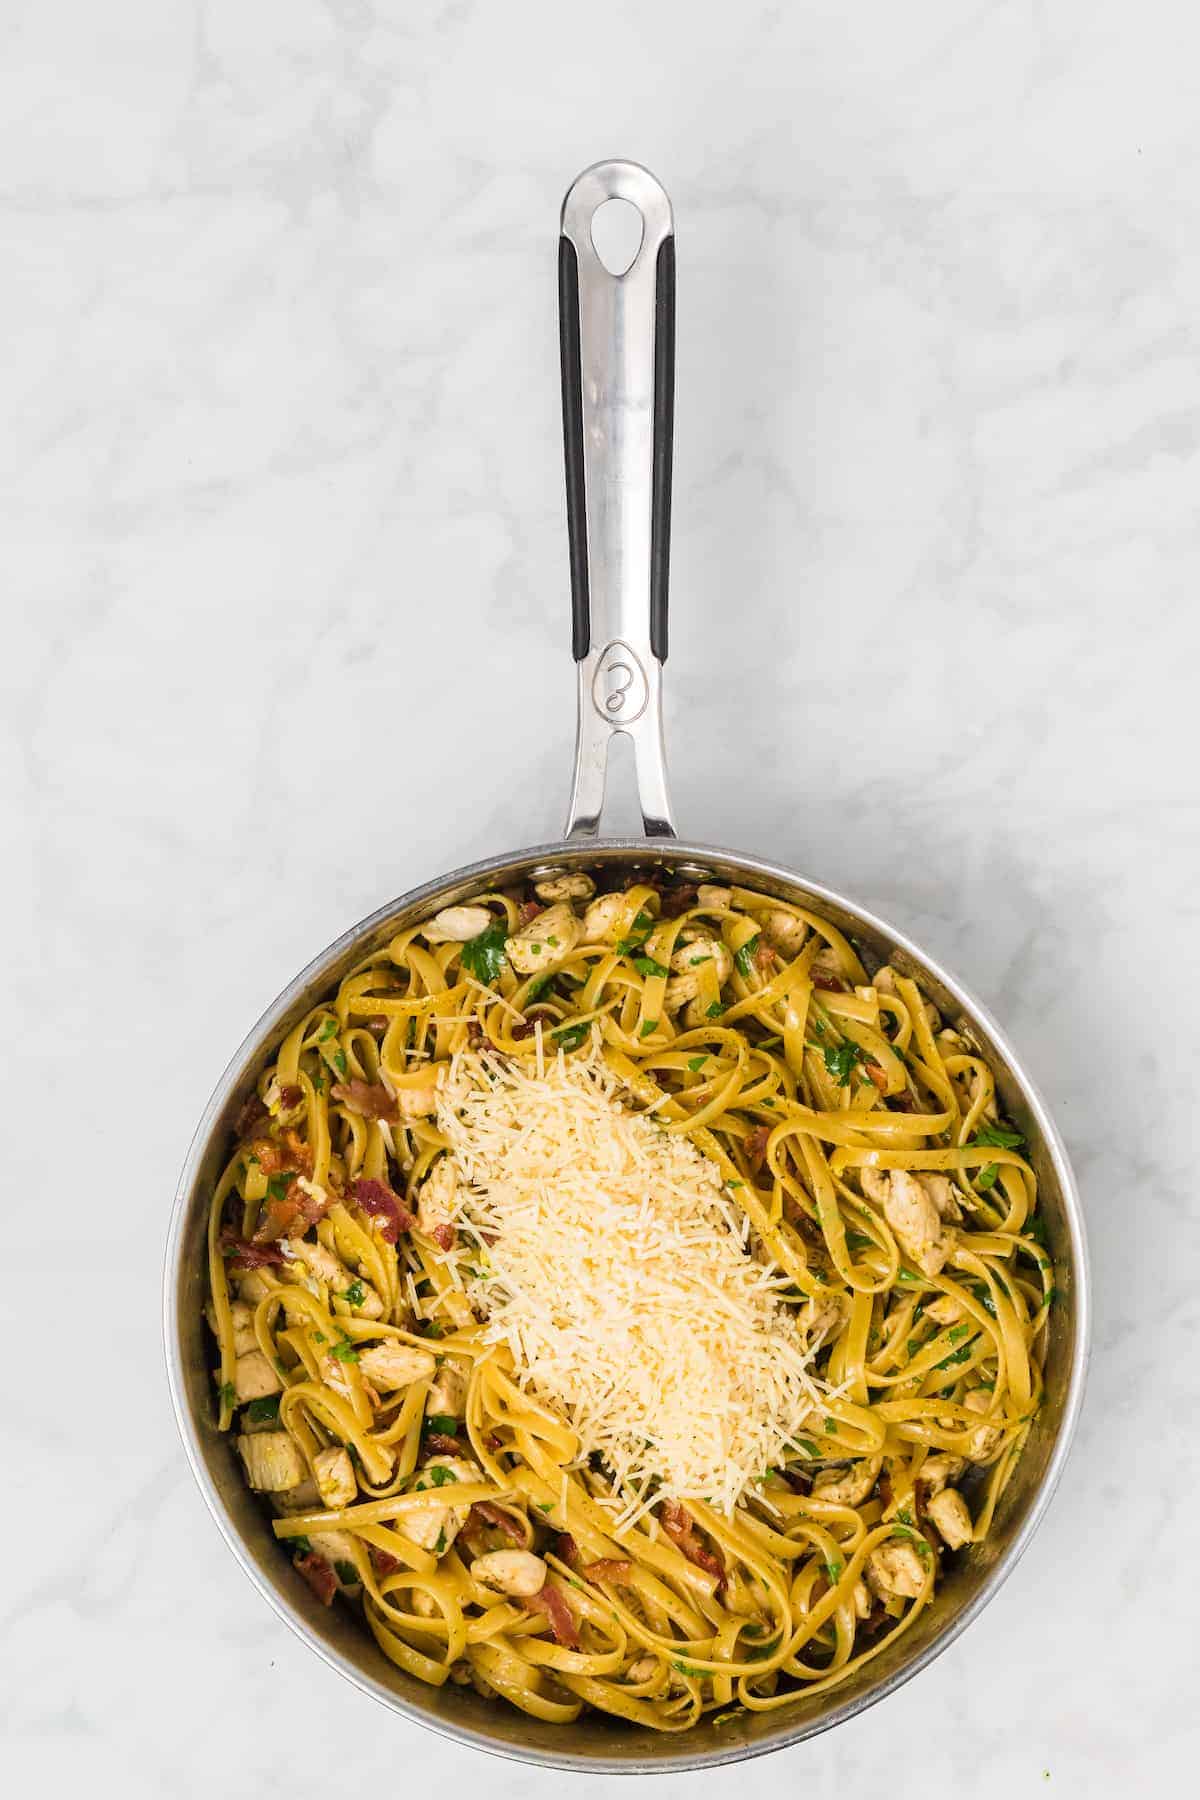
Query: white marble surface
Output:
(285,605)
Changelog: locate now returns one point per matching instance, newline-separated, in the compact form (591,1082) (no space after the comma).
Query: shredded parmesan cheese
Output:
(613,1265)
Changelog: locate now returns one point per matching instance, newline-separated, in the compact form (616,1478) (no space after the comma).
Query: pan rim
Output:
(674,850)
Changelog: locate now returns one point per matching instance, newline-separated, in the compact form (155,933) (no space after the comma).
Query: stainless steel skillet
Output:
(617,339)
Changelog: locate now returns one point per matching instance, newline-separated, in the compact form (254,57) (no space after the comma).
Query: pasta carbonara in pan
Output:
(626,1300)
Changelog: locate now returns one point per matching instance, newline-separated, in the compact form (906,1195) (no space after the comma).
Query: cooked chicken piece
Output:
(448,1394)
(572,885)
(912,1214)
(644,1669)
(606,919)
(942,1192)
(936,1471)
(983,1442)
(862,1600)
(822,1314)
(545,941)
(436,1200)
(713,898)
(457,924)
(944,1310)
(254,1377)
(336,1547)
(681,991)
(690,956)
(884,980)
(243,1325)
(895,1571)
(272,1461)
(847,1487)
(828,959)
(324,1266)
(424,1605)
(393,1364)
(784,930)
(515,1572)
(435,1527)
(947,1511)
(334,1475)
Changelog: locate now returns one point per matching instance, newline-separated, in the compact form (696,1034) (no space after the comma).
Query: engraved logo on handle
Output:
(619,687)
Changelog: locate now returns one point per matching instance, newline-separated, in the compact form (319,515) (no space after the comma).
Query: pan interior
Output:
(593,1741)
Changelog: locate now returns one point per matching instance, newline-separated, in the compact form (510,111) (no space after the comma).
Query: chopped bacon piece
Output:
(828,982)
(529,911)
(562,1621)
(443,1236)
(369,1098)
(318,1574)
(270,1156)
(279,1215)
(608,1568)
(488,1513)
(377,1199)
(383,1562)
(443,1443)
(244,1255)
(678,899)
(678,1524)
(298,1151)
(290,1098)
(567,1550)
(755,1145)
(877,1074)
(764,955)
(251,1115)
(904,1102)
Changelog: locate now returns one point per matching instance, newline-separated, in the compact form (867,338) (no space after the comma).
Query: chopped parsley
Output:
(228,1394)
(339,1061)
(833,1571)
(545,1506)
(571,1036)
(986,1177)
(997,1136)
(696,1063)
(958,1333)
(538,985)
(355,1294)
(646,965)
(687,1669)
(302,1544)
(346,1572)
(440,1475)
(639,931)
(806,1447)
(344,1351)
(744,958)
(830,1427)
(484,956)
(916,1537)
(328,1030)
(858,1240)
(955,1357)
(260,1411)
(443,1423)
(840,1060)
(440,1546)
(649,1027)
(278,1185)
(715,1010)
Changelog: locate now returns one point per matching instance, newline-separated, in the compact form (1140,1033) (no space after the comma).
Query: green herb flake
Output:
(715,1010)
(484,956)
(744,958)
(958,1333)
(443,1423)
(955,1357)
(833,1572)
(440,1546)
(646,965)
(569,1037)
(328,1030)
(260,1411)
(301,1543)
(639,931)
(346,1572)
(538,985)
(996,1136)
(831,1427)
(912,1347)
(806,1447)
(545,1506)
(986,1177)
(858,1240)
(441,1476)
(344,1351)
(649,1027)
(723,1718)
(355,1294)
(840,1060)
(278,1185)
(339,1061)
(228,1394)
(687,1669)
(696,1063)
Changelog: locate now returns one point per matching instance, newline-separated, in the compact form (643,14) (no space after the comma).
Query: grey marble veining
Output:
(286,631)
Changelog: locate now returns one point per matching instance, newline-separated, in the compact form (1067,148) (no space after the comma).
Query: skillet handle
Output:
(617,337)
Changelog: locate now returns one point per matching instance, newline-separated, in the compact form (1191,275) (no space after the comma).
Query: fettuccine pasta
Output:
(506,1509)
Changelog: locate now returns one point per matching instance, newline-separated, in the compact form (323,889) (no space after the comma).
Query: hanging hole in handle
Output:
(617,232)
